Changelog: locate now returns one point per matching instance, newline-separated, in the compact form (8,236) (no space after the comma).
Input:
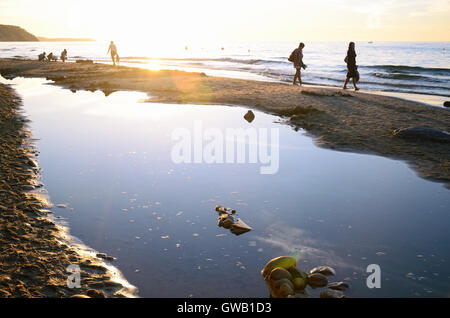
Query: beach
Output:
(336,119)
(35,253)
(34,250)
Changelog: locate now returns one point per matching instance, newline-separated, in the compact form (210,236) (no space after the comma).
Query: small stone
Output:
(324,270)
(94,293)
(447,104)
(249,116)
(105,257)
(339,286)
(279,273)
(317,280)
(329,293)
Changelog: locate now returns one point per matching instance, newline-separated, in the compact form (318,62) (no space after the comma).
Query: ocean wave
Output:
(410,77)
(409,69)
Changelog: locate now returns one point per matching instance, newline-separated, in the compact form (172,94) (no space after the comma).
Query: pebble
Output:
(317,280)
(329,293)
(324,270)
(339,286)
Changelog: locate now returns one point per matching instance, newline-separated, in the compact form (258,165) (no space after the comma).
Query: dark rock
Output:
(250,116)
(105,257)
(425,133)
(329,293)
(447,104)
(324,270)
(94,293)
(339,286)
(317,280)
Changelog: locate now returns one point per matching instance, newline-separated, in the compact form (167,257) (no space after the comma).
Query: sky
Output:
(233,20)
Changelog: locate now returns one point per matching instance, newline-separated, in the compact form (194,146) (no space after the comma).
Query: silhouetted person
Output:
(113,49)
(352,69)
(50,56)
(42,56)
(64,55)
(297,58)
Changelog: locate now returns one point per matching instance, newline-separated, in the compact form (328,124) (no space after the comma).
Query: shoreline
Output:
(423,98)
(340,120)
(35,250)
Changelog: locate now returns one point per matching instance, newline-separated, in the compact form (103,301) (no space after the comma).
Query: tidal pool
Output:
(108,159)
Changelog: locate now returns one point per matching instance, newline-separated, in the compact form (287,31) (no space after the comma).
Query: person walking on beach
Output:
(113,49)
(297,59)
(352,69)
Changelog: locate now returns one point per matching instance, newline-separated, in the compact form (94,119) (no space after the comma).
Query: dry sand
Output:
(33,255)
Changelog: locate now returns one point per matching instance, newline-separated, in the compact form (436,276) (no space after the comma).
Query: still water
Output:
(109,160)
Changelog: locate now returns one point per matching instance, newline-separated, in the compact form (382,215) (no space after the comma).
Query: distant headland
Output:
(13,33)
(10,33)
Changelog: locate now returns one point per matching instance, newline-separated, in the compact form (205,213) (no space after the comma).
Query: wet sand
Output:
(336,119)
(33,250)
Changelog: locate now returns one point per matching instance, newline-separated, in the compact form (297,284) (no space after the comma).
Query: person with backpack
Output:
(352,69)
(296,58)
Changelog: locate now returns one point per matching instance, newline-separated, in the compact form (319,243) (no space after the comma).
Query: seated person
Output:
(51,57)
(41,56)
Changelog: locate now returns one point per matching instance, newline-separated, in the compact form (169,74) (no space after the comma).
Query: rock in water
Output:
(339,286)
(279,273)
(239,227)
(285,262)
(329,293)
(249,116)
(324,270)
(317,280)
(447,104)
(425,133)
(226,220)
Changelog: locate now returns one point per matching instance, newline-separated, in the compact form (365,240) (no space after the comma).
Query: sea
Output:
(421,68)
